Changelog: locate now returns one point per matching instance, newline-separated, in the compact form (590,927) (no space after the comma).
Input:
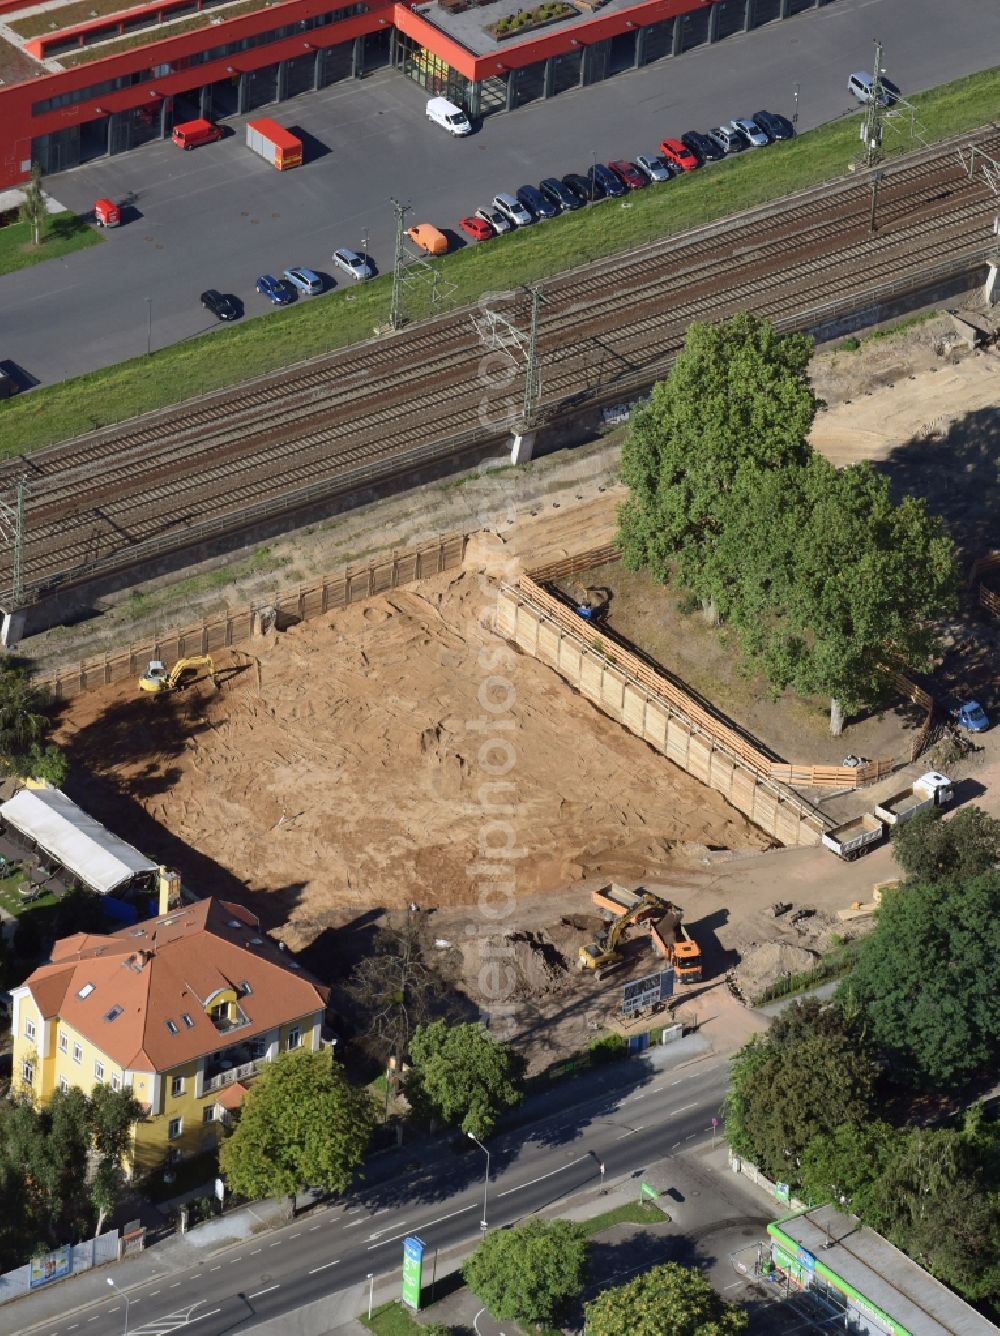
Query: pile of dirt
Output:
(392,752)
(536,965)
(767,962)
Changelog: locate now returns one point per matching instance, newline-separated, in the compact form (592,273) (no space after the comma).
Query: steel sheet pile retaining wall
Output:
(233,627)
(532,620)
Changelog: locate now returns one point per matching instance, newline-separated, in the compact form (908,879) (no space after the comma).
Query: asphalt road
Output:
(220,217)
(628,1117)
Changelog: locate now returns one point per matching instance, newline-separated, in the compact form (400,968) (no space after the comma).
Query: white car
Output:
(512,209)
(495,219)
(653,168)
(358,266)
(750,130)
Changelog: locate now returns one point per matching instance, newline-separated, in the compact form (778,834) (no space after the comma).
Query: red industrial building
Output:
(81,79)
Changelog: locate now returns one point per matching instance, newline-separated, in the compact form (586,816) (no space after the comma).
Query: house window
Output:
(28,1073)
(116,1083)
(77,1053)
(208,1113)
(294,1038)
(174,1128)
(29,1030)
(63,1043)
(220,1012)
(63,1084)
(177,1086)
(99,1071)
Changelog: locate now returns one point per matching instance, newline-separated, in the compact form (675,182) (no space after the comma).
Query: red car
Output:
(679,155)
(629,174)
(477,228)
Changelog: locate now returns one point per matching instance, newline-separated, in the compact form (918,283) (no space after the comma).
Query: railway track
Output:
(101,502)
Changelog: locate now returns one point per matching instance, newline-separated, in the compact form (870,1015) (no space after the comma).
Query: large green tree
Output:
(302,1123)
(25,724)
(465,1076)
(809,1073)
(928,848)
(667,1300)
(529,1273)
(928,979)
(111,1115)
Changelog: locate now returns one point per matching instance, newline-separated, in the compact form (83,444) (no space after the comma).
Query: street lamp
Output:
(124,1296)
(486,1182)
(795,113)
(371,1293)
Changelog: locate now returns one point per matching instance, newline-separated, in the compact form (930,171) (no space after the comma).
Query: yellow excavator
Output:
(158,679)
(602,956)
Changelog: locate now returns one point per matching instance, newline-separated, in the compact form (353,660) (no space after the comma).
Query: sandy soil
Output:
(343,769)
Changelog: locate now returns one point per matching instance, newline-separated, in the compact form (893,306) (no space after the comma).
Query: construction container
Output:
(274,143)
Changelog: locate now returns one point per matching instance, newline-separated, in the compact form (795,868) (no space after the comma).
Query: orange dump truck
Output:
(671,941)
(613,901)
(274,143)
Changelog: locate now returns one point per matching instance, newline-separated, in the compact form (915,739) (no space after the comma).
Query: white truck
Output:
(930,790)
(448,116)
(853,837)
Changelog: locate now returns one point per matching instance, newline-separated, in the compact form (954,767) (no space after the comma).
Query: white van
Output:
(448,116)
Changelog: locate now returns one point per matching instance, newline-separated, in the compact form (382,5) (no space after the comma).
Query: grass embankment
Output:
(351,314)
(63,233)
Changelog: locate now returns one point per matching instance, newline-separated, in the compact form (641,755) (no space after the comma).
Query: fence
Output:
(985,567)
(57,1265)
(235,626)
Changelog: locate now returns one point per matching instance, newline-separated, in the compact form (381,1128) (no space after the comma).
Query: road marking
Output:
(255,1252)
(211,1313)
(312,1227)
(379,1232)
(258,1293)
(367,1219)
(296,1234)
(154,1294)
(630,1133)
(92,1319)
(541,1178)
(276,1244)
(216,1268)
(175,1284)
(440,1219)
(675,1145)
(323,1267)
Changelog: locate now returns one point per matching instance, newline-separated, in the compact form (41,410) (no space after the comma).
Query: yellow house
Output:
(185,1008)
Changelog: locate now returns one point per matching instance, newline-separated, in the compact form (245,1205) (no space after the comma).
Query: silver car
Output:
(496,220)
(358,266)
(653,168)
(751,131)
(512,209)
(728,139)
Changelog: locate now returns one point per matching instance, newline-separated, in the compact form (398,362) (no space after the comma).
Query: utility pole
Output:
(877,179)
(12,530)
(872,129)
(532,378)
(396,317)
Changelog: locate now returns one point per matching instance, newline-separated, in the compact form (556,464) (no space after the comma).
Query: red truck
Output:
(191,134)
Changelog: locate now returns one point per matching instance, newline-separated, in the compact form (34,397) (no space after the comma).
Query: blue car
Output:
(971,716)
(603,181)
(536,203)
(280,294)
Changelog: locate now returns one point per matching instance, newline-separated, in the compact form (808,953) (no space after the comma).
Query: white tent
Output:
(95,857)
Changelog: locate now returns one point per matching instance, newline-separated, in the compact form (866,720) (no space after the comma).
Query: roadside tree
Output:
(111,1115)
(808,1074)
(302,1123)
(667,1300)
(930,849)
(33,205)
(529,1273)
(465,1076)
(927,980)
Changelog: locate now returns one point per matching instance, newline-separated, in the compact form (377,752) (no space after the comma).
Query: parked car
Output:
(678,155)
(629,174)
(559,194)
(479,229)
(862,85)
(653,168)
(750,131)
(773,125)
(277,292)
(579,186)
(728,139)
(536,203)
(603,182)
(304,280)
(358,266)
(970,715)
(221,304)
(703,148)
(428,238)
(512,209)
(495,219)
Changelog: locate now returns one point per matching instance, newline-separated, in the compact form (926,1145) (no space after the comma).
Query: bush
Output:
(607,1048)
(849,345)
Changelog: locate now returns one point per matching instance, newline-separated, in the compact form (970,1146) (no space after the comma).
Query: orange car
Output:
(428,238)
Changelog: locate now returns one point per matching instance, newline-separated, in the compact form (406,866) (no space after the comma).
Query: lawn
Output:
(347,316)
(632,1213)
(391,1319)
(12,902)
(64,233)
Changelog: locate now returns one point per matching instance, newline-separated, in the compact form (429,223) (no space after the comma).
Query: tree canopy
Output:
(826,580)
(928,848)
(808,1074)
(302,1124)
(927,979)
(24,727)
(667,1300)
(529,1273)
(466,1076)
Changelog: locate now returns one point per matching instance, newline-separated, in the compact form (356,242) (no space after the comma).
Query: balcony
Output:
(228,1075)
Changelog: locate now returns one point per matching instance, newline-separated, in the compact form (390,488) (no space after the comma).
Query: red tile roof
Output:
(140,994)
(231,1096)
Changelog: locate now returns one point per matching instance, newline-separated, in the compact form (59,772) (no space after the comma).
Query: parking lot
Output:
(219,216)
